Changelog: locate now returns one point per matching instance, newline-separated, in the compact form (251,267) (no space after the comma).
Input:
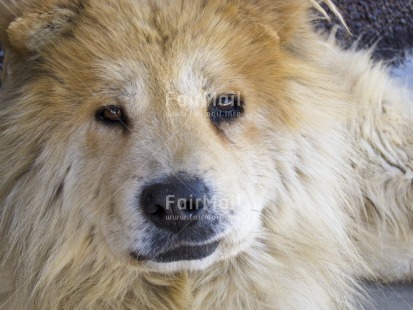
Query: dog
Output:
(196,155)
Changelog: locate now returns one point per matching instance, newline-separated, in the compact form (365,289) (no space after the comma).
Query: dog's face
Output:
(172,121)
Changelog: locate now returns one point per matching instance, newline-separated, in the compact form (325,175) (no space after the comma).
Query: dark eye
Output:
(225,108)
(111,115)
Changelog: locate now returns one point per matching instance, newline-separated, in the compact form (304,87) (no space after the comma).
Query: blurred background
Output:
(385,24)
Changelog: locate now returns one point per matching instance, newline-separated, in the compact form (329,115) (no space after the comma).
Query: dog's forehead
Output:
(168,42)
(158,25)
(162,55)
(150,54)
(185,80)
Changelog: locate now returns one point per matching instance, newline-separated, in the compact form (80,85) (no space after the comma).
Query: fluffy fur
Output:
(319,167)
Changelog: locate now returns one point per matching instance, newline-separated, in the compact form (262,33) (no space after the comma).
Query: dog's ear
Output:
(28,26)
(289,19)
(32,31)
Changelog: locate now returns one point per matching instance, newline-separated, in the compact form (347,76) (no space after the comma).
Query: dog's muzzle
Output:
(180,209)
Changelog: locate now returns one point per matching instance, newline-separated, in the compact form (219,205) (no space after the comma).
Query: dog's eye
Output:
(226,107)
(112,115)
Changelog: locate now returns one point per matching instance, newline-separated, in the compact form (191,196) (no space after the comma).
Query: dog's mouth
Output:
(181,253)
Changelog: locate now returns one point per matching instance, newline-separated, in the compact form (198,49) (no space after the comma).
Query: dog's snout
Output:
(175,203)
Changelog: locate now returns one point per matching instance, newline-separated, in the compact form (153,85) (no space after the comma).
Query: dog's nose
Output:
(175,203)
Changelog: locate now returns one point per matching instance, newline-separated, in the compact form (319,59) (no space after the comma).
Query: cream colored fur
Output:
(322,160)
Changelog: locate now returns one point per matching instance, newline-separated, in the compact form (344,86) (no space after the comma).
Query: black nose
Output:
(175,203)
